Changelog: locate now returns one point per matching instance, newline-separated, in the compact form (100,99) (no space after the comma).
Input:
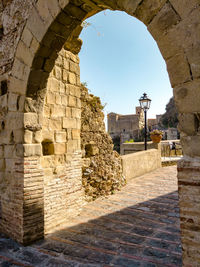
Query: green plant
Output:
(129,141)
(156,132)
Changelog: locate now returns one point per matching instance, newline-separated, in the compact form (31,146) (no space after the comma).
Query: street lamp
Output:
(145,103)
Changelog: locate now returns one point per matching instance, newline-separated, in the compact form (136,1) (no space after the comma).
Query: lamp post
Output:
(145,103)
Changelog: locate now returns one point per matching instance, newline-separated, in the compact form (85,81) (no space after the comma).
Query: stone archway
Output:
(38,33)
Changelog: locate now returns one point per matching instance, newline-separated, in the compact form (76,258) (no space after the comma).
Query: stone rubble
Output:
(102,169)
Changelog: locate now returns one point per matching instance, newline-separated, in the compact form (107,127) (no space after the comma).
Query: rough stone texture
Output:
(32,34)
(189,198)
(63,194)
(138,226)
(102,169)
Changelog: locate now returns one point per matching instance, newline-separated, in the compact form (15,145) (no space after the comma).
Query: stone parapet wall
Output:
(139,163)
(165,146)
(129,148)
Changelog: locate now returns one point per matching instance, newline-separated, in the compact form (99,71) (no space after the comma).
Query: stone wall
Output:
(60,137)
(139,163)
(128,148)
(32,33)
(166,148)
(102,169)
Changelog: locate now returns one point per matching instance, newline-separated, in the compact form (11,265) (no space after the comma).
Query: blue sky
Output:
(120,60)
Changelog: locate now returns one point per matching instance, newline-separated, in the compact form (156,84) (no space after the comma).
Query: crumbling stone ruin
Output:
(102,168)
(33,34)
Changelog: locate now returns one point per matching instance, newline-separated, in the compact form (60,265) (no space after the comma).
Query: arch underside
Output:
(50,34)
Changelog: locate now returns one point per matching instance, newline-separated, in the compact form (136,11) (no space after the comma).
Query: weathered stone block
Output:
(14,120)
(37,26)
(72,101)
(38,136)
(18,136)
(9,151)
(71,89)
(4,101)
(62,87)
(183,8)
(43,10)
(190,145)
(63,3)
(27,37)
(23,54)
(9,166)
(188,123)
(20,70)
(59,148)
(68,112)
(2,164)
(66,64)
(65,75)
(12,101)
(75,134)
(78,103)
(32,150)
(30,120)
(57,111)
(72,78)
(1,151)
(48,135)
(57,72)
(164,21)
(69,123)
(17,86)
(78,123)
(129,5)
(60,137)
(50,98)
(53,7)
(46,111)
(76,113)
(74,67)
(34,45)
(20,103)
(53,84)
(178,75)
(148,9)
(55,124)
(58,99)
(28,137)
(47,162)
(64,100)
(77,91)
(187,97)
(193,55)
(72,146)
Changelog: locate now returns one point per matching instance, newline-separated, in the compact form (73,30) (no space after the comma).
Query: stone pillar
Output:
(189,201)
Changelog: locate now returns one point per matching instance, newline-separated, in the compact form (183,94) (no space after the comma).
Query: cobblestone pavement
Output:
(138,226)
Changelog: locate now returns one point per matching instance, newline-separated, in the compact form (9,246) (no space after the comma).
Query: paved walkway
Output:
(138,226)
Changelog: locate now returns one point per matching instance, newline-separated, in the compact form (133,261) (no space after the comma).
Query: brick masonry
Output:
(134,227)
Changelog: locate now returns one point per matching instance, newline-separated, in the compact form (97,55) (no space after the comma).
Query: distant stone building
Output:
(126,127)
(154,123)
(172,134)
